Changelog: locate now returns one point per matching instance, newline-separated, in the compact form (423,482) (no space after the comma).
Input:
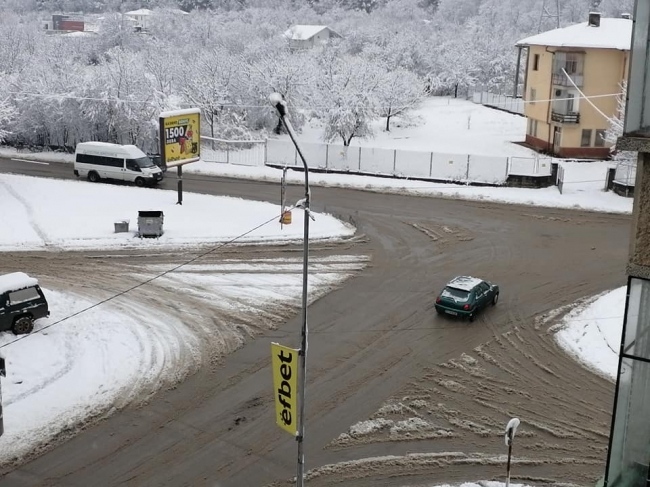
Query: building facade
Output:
(572,78)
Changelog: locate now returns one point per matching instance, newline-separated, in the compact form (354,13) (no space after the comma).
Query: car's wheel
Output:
(93,177)
(471,317)
(495,299)
(139,182)
(23,325)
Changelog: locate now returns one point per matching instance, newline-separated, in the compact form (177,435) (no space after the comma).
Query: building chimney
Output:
(594,19)
(626,16)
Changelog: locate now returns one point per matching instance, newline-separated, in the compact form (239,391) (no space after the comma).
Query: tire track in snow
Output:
(30,213)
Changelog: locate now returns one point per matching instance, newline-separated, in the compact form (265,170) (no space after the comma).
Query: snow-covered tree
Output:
(616,125)
(346,94)
(7,114)
(399,91)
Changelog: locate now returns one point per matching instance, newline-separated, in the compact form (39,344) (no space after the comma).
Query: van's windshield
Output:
(142,162)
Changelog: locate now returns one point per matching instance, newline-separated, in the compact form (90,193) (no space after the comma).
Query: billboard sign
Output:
(180,139)
(284,362)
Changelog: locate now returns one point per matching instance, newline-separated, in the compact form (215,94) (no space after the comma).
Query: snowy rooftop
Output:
(465,283)
(15,281)
(142,11)
(304,32)
(611,34)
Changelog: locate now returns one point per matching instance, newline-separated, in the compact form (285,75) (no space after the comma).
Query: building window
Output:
(600,138)
(536,62)
(533,96)
(532,127)
(585,141)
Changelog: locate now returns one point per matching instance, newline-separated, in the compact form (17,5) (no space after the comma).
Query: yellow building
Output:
(563,68)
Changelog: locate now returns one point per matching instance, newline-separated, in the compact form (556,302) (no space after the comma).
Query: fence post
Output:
(431,166)
(227,155)
(359,161)
(266,151)
(507,167)
(467,174)
(327,156)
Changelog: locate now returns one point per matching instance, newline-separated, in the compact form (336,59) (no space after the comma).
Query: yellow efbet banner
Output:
(180,139)
(284,361)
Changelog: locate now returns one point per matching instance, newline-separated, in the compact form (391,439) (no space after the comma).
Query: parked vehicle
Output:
(464,296)
(21,303)
(157,160)
(101,160)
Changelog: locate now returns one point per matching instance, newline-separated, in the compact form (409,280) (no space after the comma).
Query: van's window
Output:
(100,160)
(16,297)
(132,165)
(141,162)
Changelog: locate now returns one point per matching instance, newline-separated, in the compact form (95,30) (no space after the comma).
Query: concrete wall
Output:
(639,263)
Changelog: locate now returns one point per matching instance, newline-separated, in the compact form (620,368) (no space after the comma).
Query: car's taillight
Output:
(438,299)
(466,307)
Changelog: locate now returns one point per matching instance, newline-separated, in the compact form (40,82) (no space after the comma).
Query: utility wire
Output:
(241,105)
(147,281)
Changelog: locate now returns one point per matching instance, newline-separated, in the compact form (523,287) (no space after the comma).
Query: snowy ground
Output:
(47,392)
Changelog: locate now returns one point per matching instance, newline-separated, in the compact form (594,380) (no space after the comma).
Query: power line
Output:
(147,281)
(295,107)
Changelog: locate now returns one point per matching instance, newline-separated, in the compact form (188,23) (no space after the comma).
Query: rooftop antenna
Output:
(551,12)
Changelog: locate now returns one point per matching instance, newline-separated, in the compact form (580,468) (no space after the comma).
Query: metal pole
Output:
(180,185)
(511,429)
(508,466)
(281,106)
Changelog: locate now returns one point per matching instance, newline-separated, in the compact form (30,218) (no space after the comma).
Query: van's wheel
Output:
(139,182)
(23,325)
(495,299)
(93,177)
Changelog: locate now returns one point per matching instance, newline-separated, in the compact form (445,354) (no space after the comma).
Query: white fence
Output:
(504,102)
(372,161)
(407,164)
(251,153)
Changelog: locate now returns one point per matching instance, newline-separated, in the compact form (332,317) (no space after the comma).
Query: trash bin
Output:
(150,223)
(121,226)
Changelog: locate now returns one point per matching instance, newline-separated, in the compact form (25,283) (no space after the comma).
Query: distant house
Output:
(141,19)
(63,23)
(307,36)
(589,58)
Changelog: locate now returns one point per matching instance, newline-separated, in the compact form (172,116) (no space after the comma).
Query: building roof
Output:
(611,34)
(142,11)
(306,32)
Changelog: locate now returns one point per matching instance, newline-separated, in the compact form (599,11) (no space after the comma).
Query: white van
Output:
(101,160)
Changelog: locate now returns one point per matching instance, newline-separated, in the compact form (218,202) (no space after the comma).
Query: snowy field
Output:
(62,388)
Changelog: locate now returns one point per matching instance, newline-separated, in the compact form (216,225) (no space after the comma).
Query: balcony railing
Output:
(560,79)
(571,117)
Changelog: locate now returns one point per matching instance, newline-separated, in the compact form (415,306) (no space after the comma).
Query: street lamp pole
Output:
(511,429)
(277,100)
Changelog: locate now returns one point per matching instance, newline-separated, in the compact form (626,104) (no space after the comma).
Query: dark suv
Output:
(21,303)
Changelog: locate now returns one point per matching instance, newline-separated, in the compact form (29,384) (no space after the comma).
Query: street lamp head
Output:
(511,429)
(277,100)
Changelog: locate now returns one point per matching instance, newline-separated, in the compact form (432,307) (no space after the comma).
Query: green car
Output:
(464,295)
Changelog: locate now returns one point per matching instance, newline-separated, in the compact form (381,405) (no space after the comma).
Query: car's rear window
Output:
(456,294)
(23,295)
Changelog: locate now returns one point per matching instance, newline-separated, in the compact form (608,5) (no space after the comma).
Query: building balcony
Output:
(571,117)
(560,79)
